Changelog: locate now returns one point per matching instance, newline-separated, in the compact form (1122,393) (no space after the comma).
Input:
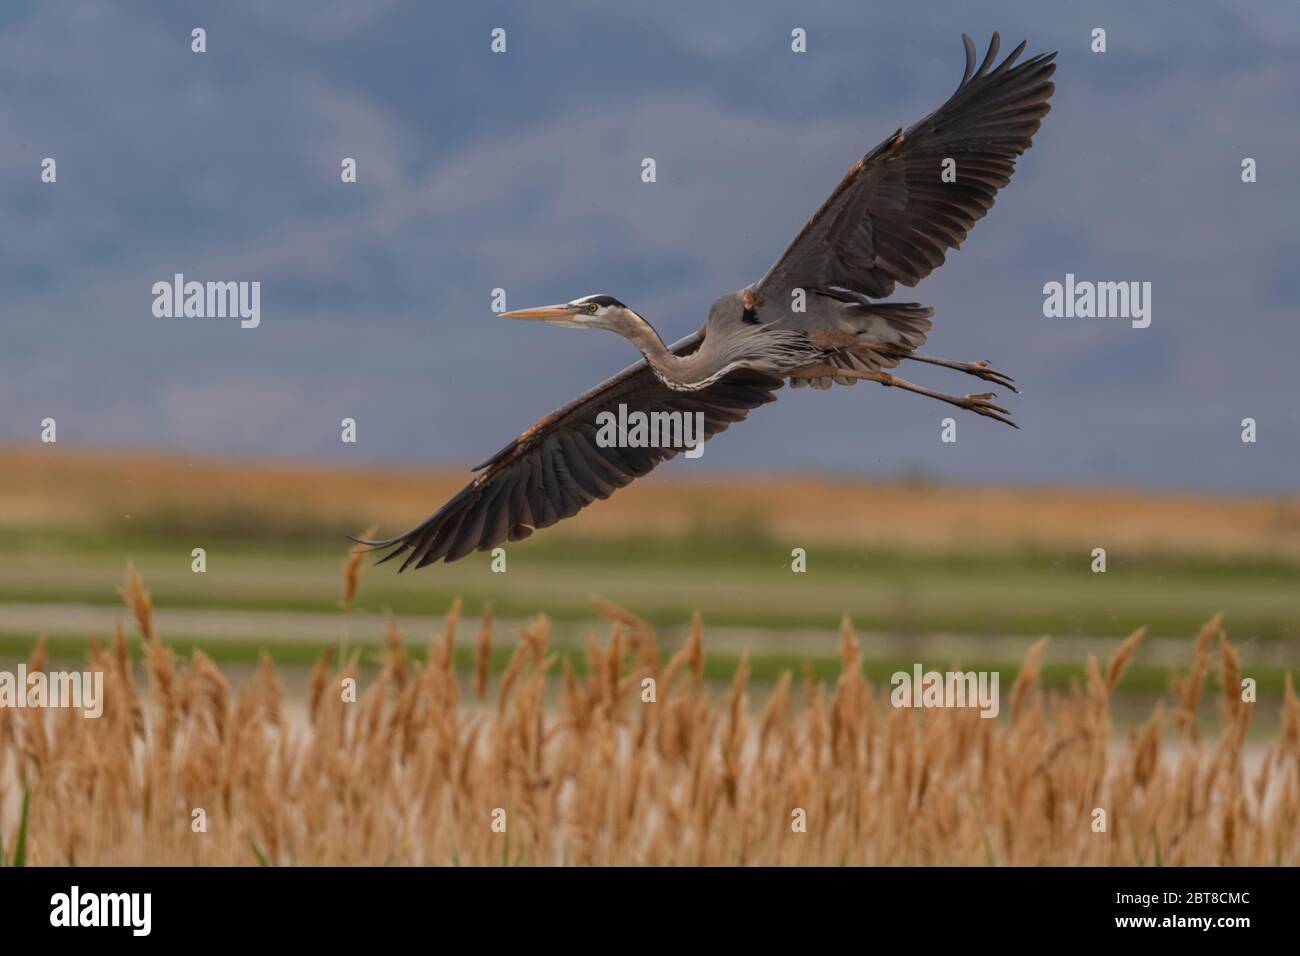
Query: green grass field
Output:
(902,562)
(732,583)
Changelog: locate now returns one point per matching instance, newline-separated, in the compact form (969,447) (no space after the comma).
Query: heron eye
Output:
(592,307)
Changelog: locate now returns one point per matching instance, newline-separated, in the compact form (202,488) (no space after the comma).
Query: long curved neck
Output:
(682,372)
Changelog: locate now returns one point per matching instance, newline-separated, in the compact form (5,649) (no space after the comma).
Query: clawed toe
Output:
(982,370)
(979,369)
(981,405)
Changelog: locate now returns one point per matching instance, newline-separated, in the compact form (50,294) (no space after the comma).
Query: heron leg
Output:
(978,369)
(979,404)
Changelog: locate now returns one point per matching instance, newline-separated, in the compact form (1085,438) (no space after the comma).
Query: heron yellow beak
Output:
(546,313)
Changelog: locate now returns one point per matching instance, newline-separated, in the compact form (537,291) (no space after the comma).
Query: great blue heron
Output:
(891,220)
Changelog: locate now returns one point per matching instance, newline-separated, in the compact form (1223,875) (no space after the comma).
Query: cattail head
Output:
(695,648)
(1027,679)
(352,566)
(483,653)
(138,602)
(1119,660)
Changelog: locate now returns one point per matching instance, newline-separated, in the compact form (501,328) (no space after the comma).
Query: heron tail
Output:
(905,323)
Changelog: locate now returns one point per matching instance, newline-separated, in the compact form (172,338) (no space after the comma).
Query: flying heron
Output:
(891,220)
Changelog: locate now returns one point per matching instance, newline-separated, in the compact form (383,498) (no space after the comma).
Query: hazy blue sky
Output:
(522,171)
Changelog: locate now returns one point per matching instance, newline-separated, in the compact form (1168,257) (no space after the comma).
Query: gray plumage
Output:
(891,220)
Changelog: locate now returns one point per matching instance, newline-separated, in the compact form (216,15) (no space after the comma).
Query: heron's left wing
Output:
(893,217)
(558,467)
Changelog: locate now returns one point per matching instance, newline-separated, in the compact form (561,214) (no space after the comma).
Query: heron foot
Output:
(980,369)
(982,405)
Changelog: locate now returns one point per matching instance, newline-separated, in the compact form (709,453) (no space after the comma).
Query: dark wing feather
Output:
(892,219)
(556,468)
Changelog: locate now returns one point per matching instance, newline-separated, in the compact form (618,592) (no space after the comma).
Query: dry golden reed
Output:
(352,568)
(632,765)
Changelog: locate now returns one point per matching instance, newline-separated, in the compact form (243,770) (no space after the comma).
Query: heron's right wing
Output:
(557,467)
(893,218)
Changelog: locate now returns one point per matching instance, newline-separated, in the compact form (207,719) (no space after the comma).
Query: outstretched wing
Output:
(893,218)
(556,468)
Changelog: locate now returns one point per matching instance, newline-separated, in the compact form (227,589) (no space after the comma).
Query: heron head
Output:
(588,312)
